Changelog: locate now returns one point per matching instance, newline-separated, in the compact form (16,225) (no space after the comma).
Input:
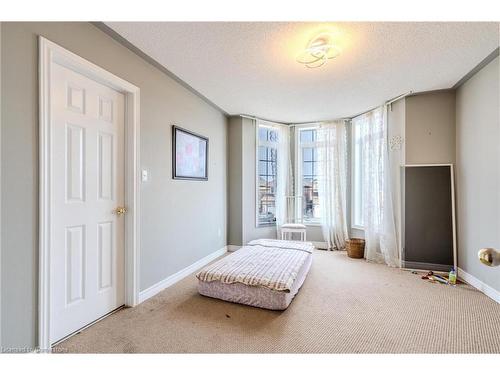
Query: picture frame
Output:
(189,155)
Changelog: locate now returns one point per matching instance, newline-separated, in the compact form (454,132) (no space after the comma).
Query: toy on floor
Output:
(434,278)
(452,277)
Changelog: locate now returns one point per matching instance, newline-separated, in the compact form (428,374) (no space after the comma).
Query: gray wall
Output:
(235,181)
(182,221)
(430,128)
(478,171)
(0,184)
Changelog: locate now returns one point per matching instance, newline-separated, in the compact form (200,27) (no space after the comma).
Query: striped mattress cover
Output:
(272,264)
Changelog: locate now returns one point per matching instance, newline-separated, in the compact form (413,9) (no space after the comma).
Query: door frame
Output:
(50,52)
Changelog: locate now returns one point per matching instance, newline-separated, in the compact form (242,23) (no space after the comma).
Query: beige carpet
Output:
(344,306)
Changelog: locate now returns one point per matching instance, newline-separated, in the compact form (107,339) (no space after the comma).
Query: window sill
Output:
(273,225)
(312,224)
(265,225)
(357,227)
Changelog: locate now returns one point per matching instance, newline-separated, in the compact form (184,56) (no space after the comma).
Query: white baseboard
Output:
(479,285)
(232,248)
(169,281)
(320,245)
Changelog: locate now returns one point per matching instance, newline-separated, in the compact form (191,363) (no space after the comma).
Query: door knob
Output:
(489,257)
(120,211)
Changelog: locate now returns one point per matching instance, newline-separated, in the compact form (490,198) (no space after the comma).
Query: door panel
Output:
(75,162)
(105,258)
(87,162)
(106,163)
(75,268)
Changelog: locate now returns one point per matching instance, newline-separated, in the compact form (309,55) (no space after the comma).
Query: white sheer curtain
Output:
(331,148)
(378,214)
(284,176)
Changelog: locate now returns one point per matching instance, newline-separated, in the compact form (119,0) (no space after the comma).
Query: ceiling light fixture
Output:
(318,51)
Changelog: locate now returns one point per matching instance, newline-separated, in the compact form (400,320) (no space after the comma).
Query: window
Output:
(357,181)
(368,164)
(307,174)
(267,153)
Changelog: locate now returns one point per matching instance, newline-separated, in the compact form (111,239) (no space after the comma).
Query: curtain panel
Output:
(378,213)
(332,165)
(284,184)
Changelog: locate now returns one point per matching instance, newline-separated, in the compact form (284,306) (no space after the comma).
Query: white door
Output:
(87,162)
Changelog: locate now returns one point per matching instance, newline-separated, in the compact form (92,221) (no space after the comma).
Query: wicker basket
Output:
(355,248)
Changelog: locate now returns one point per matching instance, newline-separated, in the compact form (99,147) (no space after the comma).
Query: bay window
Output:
(307,175)
(267,158)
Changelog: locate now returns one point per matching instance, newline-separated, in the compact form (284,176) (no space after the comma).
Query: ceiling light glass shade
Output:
(318,51)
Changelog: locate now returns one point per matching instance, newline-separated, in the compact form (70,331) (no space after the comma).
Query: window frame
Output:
(258,143)
(299,191)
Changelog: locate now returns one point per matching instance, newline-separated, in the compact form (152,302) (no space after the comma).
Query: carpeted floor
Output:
(344,306)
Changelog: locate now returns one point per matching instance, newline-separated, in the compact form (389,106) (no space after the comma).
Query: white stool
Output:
(293,228)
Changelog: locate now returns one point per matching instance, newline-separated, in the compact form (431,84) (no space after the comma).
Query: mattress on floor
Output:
(265,274)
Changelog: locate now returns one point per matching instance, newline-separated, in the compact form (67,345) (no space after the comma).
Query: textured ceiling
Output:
(250,68)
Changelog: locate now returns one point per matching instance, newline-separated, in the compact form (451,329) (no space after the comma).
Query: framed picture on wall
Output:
(189,155)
